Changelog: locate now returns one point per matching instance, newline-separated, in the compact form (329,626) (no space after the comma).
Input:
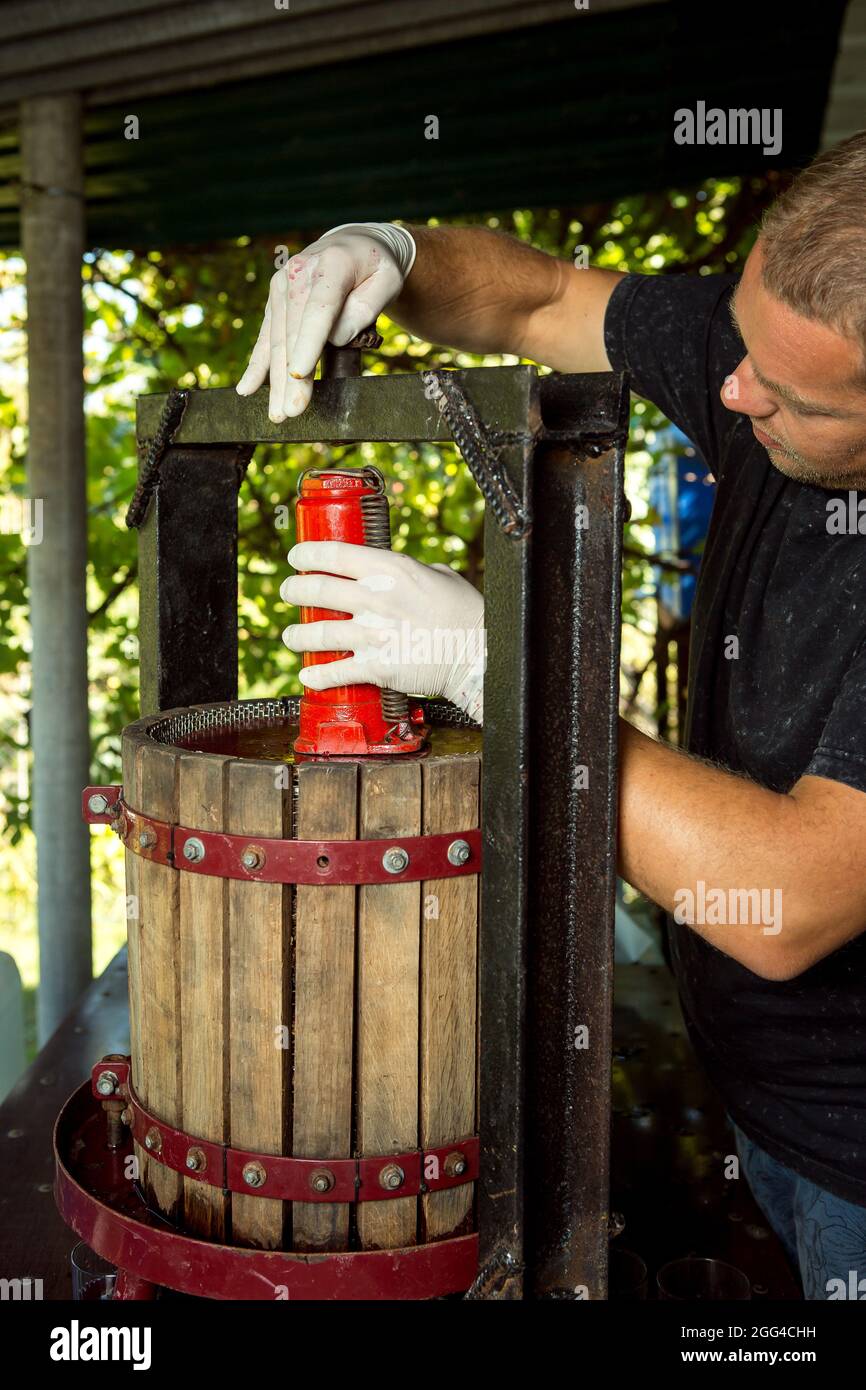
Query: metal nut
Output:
(322,1180)
(391,1177)
(254,1175)
(253,857)
(97,804)
(394,860)
(455,1165)
(106,1083)
(126,1116)
(458,852)
(147,839)
(196,1160)
(194,850)
(153,1140)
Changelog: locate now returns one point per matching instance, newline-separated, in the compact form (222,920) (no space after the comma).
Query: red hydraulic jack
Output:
(349,504)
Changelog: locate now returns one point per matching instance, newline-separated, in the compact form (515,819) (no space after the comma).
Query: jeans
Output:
(824,1236)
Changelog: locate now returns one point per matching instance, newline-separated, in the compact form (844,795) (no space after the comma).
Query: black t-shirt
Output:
(789,1058)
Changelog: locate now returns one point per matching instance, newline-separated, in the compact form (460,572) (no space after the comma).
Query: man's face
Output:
(802,385)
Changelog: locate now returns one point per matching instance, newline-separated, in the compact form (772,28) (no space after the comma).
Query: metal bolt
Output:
(195,1160)
(253,857)
(127,1116)
(254,1175)
(395,860)
(322,1180)
(458,852)
(194,850)
(113,1112)
(391,1177)
(106,1083)
(153,1140)
(455,1165)
(97,804)
(147,839)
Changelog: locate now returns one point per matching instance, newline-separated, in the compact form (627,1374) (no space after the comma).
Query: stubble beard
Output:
(793,465)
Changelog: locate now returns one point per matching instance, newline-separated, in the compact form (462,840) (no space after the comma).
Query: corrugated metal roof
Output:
(556,113)
(123,49)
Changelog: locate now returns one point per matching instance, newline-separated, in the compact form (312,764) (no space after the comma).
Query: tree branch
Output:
(114,592)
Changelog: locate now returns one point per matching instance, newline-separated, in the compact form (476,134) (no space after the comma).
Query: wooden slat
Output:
(260,972)
(388,965)
(132,756)
(324,1000)
(203,966)
(449,945)
(159,1001)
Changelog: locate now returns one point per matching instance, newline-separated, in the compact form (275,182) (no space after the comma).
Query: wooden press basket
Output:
(321,1021)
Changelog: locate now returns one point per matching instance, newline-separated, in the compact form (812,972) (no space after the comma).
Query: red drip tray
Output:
(104,1209)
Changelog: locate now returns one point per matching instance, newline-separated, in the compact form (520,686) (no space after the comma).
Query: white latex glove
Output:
(414,627)
(327,293)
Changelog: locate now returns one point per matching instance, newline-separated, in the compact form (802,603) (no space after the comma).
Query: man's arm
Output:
(483,291)
(468,288)
(683,823)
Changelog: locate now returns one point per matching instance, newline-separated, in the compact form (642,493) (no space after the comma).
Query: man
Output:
(756,838)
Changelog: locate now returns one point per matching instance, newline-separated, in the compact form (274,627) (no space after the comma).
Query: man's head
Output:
(800,308)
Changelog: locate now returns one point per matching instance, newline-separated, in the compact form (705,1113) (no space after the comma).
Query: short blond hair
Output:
(813,241)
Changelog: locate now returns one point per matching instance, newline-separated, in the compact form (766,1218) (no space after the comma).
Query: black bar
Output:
(188,578)
(347,410)
(574,703)
(504,887)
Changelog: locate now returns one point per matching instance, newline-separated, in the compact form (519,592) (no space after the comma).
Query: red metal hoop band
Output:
(258,859)
(290,1179)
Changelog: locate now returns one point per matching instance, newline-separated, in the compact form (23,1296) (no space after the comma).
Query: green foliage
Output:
(190,316)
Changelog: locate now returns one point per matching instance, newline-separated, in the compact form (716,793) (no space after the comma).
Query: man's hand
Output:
(474,289)
(327,293)
(413,627)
